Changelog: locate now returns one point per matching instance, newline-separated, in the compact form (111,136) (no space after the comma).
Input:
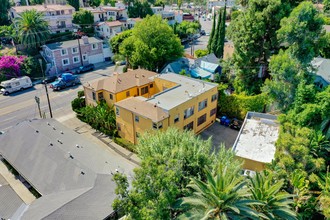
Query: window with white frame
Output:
(64,52)
(75,50)
(65,62)
(76,59)
(94,46)
(84,57)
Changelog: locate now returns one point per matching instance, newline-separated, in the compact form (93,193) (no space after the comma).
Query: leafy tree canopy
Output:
(75,4)
(169,159)
(85,19)
(139,9)
(148,49)
(5,5)
(302,31)
(116,41)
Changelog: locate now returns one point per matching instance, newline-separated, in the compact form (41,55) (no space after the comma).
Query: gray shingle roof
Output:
(71,43)
(210,58)
(66,192)
(322,67)
(10,202)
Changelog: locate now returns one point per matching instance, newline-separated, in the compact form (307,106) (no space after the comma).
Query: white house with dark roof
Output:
(255,143)
(72,174)
(66,55)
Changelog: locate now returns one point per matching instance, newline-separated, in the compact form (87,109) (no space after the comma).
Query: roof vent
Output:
(70,155)
(50,144)
(62,132)
(77,145)
(82,172)
(48,123)
(37,131)
(59,141)
(54,128)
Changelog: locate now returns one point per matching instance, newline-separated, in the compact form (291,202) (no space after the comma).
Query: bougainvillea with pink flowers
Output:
(10,66)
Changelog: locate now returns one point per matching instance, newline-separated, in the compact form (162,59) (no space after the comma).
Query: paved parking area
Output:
(220,134)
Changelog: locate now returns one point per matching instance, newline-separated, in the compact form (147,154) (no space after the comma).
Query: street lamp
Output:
(45,83)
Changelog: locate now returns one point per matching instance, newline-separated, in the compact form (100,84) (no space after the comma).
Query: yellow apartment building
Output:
(120,86)
(177,100)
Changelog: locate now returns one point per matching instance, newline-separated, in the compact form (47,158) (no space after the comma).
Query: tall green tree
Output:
(253,33)
(139,10)
(75,4)
(153,43)
(209,44)
(85,19)
(168,160)
(116,41)
(326,6)
(222,32)
(94,3)
(5,5)
(276,204)
(186,29)
(33,30)
(302,31)
(216,36)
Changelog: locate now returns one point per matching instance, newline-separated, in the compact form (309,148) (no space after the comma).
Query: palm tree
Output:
(277,204)
(223,195)
(33,30)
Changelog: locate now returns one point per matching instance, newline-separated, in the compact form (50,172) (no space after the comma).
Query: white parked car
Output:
(16,84)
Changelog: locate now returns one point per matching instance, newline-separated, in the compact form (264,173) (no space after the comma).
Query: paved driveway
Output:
(220,134)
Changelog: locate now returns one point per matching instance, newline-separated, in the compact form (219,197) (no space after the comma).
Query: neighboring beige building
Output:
(255,143)
(108,29)
(59,17)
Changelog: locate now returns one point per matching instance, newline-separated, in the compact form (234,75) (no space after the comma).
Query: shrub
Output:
(81,93)
(200,53)
(77,104)
(125,143)
(238,105)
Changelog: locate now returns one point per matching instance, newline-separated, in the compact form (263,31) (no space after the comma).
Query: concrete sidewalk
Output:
(71,121)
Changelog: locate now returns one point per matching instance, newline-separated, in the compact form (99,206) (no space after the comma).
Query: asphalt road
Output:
(21,106)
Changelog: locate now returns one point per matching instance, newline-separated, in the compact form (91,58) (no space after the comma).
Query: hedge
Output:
(236,106)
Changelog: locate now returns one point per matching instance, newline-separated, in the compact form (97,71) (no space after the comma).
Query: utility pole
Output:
(45,83)
(78,34)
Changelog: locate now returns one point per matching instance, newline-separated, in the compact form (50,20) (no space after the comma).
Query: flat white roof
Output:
(186,89)
(256,140)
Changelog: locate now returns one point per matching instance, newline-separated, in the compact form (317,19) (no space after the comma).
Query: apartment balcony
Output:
(58,17)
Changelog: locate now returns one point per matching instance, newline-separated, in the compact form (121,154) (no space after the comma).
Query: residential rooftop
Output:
(9,200)
(186,89)
(71,43)
(72,174)
(257,137)
(140,106)
(42,8)
(123,81)
(322,67)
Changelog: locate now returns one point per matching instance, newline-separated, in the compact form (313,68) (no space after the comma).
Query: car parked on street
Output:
(49,79)
(235,124)
(15,84)
(66,80)
(83,69)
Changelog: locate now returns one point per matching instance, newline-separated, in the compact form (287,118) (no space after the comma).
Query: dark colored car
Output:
(86,68)
(202,32)
(235,124)
(49,79)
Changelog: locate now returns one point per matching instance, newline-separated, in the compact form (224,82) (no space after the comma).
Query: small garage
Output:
(96,58)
